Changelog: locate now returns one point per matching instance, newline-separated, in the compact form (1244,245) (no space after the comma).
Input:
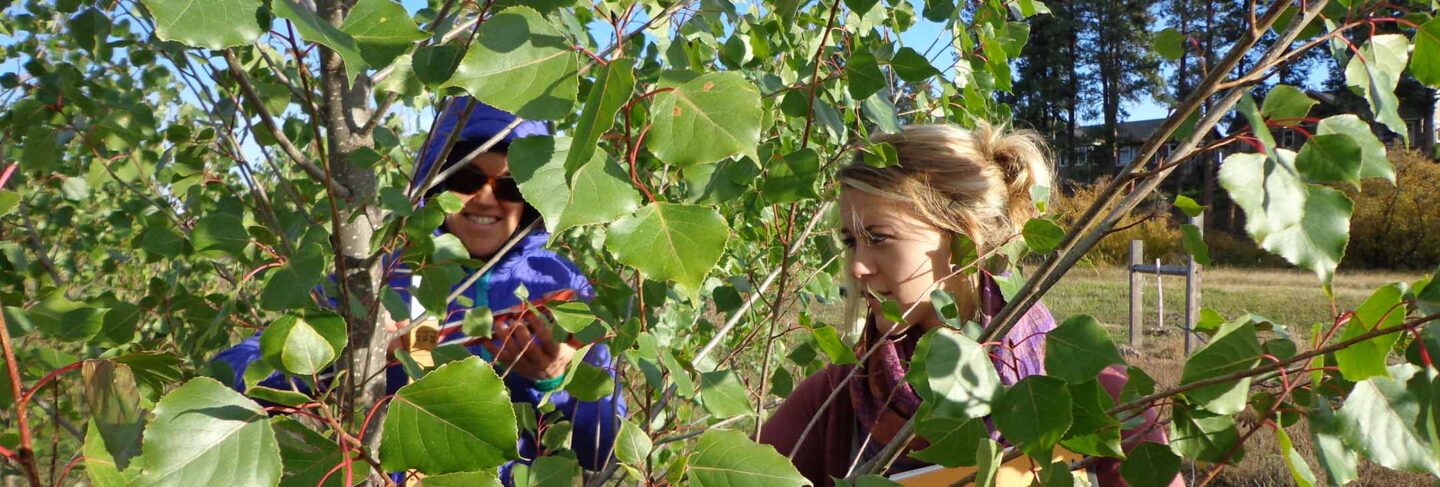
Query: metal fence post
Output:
(1137,255)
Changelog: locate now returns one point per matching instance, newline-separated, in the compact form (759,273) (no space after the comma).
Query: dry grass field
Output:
(1290,297)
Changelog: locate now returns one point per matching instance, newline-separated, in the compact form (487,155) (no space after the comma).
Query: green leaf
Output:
(706,119)
(113,401)
(457,418)
(303,345)
(1327,440)
(1382,310)
(309,455)
(1286,104)
(1033,414)
(1169,44)
(1377,75)
(670,242)
(521,64)
(1233,348)
(202,425)
(953,442)
(1094,432)
(161,241)
(632,446)
(1299,469)
(1150,465)
(41,152)
(75,189)
(1078,349)
(463,479)
(1042,235)
(548,471)
(791,178)
(953,376)
(209,24)
(572,316)
(612,89)
(99,466)
(1373,163)
(434,65)
(988,459)
(599,192)
(1203,435)
(911,66)
(879,110)
(479,322)
(587,382)
(860,6)
(723,395)
(1330,158)
(1194,243)
(220,231)
(939,10)
(315,29)
(290,286)
(9,200)
(382,29)
(278,396)
(863,75)
(1307,225)
(1380,418)
(828,340)
(724,458)
(1188,205)
(1425,61)
(62,319)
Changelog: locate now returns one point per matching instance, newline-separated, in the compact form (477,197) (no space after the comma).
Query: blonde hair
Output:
(974,182)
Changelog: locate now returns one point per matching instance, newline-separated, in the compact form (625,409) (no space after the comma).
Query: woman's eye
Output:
(874,239)
(848,241)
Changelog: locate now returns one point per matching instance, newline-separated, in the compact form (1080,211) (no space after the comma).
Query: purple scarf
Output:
(884,402)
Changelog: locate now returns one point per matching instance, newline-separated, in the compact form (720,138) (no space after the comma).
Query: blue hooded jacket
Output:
(542,273)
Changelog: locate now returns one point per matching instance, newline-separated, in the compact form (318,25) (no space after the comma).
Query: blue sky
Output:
(920,36)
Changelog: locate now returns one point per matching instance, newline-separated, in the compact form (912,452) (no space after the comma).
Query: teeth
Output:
(483,220)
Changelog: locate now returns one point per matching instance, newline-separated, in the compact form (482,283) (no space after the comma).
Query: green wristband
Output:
(547,385)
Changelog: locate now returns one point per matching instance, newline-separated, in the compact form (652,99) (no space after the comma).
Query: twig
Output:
(253,99)
(1088,229)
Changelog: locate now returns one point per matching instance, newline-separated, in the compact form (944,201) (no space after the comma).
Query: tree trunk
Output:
(1426,144)
(346,111)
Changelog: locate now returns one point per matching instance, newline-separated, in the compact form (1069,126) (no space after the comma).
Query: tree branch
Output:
(252,98)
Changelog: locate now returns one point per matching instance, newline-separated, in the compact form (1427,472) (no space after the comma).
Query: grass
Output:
(1291,298)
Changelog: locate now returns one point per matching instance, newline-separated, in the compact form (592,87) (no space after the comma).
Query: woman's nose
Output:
(860,267)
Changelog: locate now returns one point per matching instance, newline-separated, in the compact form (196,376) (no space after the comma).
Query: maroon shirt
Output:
(829,448)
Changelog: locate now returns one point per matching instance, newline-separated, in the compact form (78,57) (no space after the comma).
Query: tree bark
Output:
(346,109)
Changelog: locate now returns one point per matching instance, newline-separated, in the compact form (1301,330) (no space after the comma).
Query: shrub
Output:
(1397,227)
(1159,230)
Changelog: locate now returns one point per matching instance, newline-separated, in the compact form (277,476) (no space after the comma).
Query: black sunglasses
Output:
(469,180)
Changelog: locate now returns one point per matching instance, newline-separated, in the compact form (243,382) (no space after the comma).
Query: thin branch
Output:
(253,99)
(1088,229)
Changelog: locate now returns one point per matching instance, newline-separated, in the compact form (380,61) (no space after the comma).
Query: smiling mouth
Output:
(481,219)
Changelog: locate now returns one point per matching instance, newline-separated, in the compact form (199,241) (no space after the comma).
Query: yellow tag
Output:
(423,338)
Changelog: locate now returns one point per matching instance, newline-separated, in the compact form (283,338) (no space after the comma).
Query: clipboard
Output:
(1019,472)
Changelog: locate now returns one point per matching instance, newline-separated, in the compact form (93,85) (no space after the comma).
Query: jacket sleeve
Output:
(1107,470)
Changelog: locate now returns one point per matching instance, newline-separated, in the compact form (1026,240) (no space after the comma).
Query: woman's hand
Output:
(526,347)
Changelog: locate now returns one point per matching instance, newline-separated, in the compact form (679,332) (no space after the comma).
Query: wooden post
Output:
(1137,332)
(1192,286)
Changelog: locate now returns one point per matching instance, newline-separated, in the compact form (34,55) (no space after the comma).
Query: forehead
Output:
(860,209)
(493,163)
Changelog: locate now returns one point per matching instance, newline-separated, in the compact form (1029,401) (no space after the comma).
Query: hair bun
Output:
(1023,161)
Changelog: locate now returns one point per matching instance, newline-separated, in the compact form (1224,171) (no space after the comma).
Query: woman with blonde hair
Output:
(898,223)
